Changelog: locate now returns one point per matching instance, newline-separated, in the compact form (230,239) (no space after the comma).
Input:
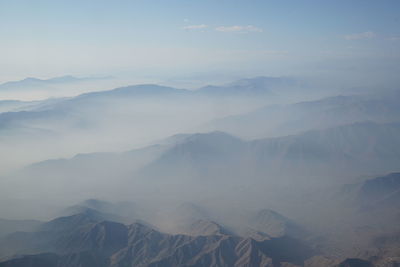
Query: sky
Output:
(200,39)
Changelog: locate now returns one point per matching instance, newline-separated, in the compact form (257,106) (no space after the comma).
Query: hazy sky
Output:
(196,38)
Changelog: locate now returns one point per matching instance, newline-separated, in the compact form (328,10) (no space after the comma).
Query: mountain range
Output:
(30,81)
(277,120)
(258,172)
(89,238)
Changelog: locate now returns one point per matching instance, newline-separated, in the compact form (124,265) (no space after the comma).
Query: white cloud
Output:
(195,27)
(359,36)
(240,29)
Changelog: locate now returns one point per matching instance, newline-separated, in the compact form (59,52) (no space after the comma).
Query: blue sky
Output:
(183,38)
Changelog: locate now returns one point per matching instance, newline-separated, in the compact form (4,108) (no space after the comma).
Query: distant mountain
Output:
(107,99)
(365,219)
(134,158)
(203,147)
(24,119)
(257,86)
(380,192)
(28,82)
(125,116)
(9,226)
(74,221)
(348,146)
(135,90)
(106,113)
(11,105)
(223,160)
(124,212)
(251,87)
(357,141)
(97,168)
(30,89)
(275,120)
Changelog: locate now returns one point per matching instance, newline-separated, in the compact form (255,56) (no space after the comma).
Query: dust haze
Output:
(209,133)
(219,153)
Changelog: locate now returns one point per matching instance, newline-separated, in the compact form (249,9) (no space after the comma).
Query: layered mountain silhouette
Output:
(86,240)
(134,116)
(223,159)
(257,86)
(381,192)
(9,226)
(273,120)
(37,89)
(354,147)
(322,113)
(311,183)
(30,81)
(101,233)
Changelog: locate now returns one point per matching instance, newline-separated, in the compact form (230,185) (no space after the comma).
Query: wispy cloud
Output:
(239,29)
(359,36)
(393,38)
(195,27)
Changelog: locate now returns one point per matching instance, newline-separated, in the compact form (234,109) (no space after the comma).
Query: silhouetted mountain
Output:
(126,116)
(203,147)
(93,106)
(87,240)
(12,105)
(381,192)
(351,145)
(121,211)
(30,81)
(353,148)
(257,86)
(365,219)
(132,91)
(113,244)
(274,120)
(10,226)
(224,160)
(76,233)
(39,260)
(205,251)
(73,221)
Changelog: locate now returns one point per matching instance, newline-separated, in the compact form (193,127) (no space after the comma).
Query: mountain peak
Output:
(69,222)
(206,227)
(31,79)
(263,81)
(252,86)
(215,136)
(65,78)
